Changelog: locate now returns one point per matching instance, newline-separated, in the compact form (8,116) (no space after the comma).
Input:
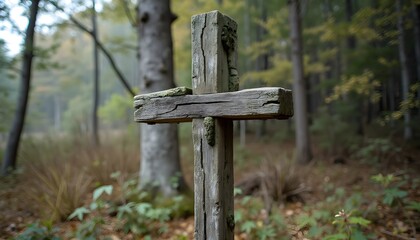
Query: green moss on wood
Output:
(209,126)
(178,91)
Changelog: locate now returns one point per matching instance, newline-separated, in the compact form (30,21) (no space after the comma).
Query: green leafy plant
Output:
(349,226)
(37,231)
(137,217)
(392,191)
(137,214)
(143,215)
(250,220)
(321,222)
(414,206)
(378,150)
(91,228)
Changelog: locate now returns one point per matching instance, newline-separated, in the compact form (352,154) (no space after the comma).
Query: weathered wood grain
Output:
(178,91)
(211,107)
(213,67)
(258,103)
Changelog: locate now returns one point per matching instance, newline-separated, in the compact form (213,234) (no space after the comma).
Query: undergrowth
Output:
(92,187)
(60,173)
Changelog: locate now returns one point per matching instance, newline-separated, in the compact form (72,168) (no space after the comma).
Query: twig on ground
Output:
(396,235)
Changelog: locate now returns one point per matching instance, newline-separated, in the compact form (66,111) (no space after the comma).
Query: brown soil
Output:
(352,175)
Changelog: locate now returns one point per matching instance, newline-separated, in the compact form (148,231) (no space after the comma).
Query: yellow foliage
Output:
(329,33)
(360,26)
(328,54)
(365,33)
(388,63)
(280,73)
(316,30)
(363,84)
(272,24)
(410,103)
(257,49)
(181,30)
(313,67)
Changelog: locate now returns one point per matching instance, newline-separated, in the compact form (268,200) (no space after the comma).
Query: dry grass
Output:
(57,189)
(60,173)
(277,181)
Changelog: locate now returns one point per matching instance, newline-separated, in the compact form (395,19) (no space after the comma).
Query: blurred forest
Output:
(361,63)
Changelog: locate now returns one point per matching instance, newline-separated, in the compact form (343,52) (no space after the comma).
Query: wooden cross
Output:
(211,105)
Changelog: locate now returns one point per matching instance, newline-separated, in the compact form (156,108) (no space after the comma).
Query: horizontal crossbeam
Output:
(257,103)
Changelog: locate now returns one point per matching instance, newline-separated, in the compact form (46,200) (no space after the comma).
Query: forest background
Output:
(362,87)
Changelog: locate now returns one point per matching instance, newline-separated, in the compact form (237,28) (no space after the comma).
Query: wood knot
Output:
(144,17)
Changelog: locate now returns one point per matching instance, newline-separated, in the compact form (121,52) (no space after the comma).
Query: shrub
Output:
(253,221)
(139,217)
(37,231)
(378,150)
(333,132)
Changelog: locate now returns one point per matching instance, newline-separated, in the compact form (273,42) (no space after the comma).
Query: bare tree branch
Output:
(130,17)
(103,49)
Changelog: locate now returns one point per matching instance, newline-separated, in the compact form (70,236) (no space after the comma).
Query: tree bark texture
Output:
(95,134)
(303,151)
(10,155)
(405,79)
(160,164)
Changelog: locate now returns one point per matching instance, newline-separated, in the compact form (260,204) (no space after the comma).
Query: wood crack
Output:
(202,48)
(204,188)
(191,104)
(271,102)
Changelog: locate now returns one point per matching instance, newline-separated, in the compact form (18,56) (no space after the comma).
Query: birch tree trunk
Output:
(405,79)
(10,155)
(160,164)
(303,151)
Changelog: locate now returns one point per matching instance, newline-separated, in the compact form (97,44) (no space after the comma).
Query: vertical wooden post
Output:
(213,70)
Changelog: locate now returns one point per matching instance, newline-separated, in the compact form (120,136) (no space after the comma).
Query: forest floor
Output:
(324,187)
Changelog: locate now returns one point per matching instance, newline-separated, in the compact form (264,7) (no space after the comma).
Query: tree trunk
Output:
(415,10)
(351,40)
(405,79)
(262,62)
(57,113)
(95,134)
(160,165)
(247,43)
(10,155)
(303,151)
